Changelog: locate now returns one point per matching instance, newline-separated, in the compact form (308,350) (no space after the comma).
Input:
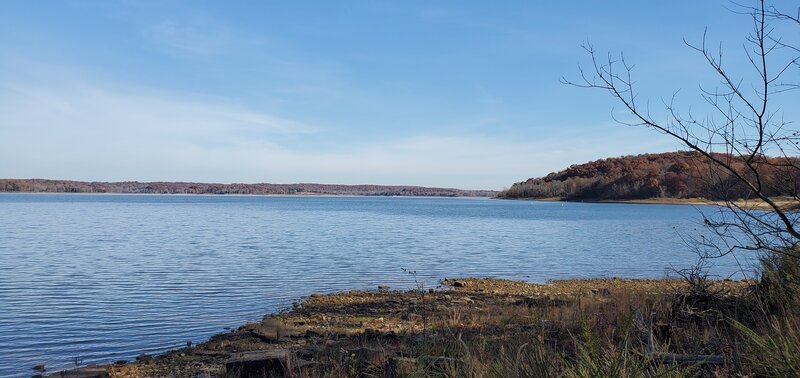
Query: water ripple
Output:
(101,278)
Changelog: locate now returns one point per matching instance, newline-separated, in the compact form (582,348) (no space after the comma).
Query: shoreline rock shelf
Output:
(382,332)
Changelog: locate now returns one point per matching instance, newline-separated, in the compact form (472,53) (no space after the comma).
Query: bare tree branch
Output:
(736,138)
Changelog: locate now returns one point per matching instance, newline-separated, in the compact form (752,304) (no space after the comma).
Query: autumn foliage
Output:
(668,175)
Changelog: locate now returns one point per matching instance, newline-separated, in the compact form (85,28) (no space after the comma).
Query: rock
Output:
(368,357)
(84,372)
(262,363)
(120,362)
(375,334)
(315,295)
(601,292)
(308,353)
(214,345)
(541,302)
(397,367)
(384,287)
(463,300)
(144,357)
(457,284)
(271,330)
(210,352)
(39,367)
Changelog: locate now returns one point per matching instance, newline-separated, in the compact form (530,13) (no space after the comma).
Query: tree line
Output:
(135,187)
(682,174)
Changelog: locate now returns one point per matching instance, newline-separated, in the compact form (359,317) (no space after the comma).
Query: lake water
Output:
(107,277)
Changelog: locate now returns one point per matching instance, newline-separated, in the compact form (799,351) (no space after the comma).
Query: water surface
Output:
(107,277)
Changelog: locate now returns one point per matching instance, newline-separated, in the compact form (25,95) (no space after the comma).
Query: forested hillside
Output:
(64,186)
(667,175)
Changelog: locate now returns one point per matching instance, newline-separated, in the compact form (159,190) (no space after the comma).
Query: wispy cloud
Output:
(72,125)
(67,130)
(93,108)
(196,38)
(92,133)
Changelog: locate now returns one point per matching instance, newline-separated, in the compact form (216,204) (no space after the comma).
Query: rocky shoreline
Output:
(392,333)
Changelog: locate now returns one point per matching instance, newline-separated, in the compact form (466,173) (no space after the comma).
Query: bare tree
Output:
(742,135)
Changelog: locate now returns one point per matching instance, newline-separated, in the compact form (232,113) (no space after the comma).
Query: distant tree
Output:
(743,127)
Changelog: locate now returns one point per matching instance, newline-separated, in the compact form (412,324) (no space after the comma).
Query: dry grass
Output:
(499,328)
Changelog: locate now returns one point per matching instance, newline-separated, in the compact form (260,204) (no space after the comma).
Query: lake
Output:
(98,278)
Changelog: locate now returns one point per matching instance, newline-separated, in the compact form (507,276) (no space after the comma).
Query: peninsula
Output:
(680,177)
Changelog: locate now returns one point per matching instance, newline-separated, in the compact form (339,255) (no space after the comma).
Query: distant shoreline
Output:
(784,203)
(195,188)
(239,195)
(644,201)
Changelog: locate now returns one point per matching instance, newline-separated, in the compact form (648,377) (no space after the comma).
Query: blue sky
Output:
(457,94)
